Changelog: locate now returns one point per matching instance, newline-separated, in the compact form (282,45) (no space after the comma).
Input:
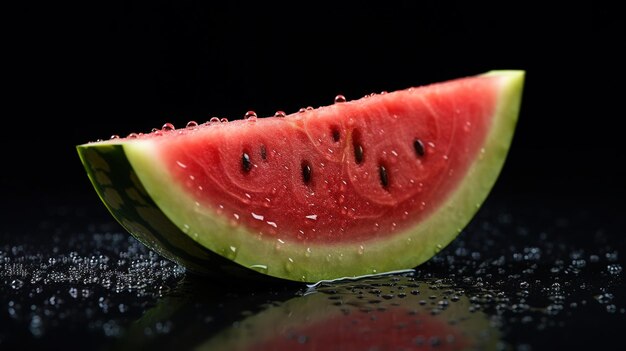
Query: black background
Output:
(77,72)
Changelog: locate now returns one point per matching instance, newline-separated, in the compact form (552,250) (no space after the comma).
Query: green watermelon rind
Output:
(311,262)
(117,185)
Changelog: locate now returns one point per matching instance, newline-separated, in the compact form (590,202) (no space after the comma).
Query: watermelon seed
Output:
(250,116)
(384,179)
(167,127)
(419,147)
(334,130)
(246,165)
(340,99)
(358,153)
(192,124)
(263,152)
(307,172)
(280,114)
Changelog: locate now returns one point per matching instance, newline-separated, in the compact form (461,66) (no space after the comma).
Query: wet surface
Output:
(519,277)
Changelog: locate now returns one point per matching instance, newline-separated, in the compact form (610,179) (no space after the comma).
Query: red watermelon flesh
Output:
(376,184)
(422,143)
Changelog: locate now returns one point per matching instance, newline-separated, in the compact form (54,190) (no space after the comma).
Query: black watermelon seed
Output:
(335,133)
(358,146)
(307,172)
(358,153)
(384,178)
(246,165)
(263,152)
(419,147)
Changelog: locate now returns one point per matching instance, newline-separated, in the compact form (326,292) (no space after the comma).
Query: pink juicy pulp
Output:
(343,201)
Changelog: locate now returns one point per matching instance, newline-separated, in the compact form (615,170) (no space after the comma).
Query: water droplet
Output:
(302,110)
(273,224)
(231,252)
(307,253)
(312,217)
(250,116)
(309,108)
(614,269)
(115,136)
(167,127)
(224,120)
(73,292)
(257,216)
(289,265)
(524,285)
(438,248)
(192,124)
(280,114)
(214,120)
(259,268)
(340,99)
(361,250)
(17,284)
(132,136)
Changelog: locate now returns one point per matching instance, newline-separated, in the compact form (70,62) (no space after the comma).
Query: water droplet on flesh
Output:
(250,116)
(340,99)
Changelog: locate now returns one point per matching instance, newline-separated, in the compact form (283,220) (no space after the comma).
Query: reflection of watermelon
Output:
(363,315)
(372,185)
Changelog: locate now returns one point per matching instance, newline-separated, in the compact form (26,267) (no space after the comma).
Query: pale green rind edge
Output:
(290,260)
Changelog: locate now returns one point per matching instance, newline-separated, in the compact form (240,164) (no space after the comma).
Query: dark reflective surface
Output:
(517,278)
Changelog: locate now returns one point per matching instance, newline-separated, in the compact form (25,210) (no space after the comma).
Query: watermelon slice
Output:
(359,187)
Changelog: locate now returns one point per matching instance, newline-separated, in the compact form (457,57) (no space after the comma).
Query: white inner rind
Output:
(312,262)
